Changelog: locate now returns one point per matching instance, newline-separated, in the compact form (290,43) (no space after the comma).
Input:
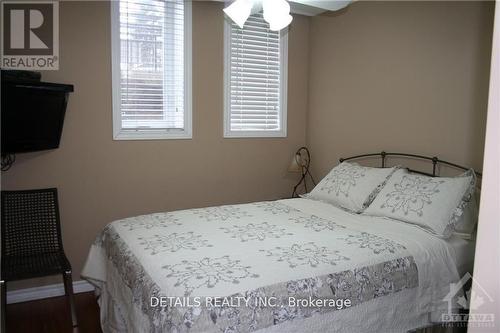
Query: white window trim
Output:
(131,134)
(282,133)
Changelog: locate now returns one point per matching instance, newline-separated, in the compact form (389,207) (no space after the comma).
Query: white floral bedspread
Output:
(268,250)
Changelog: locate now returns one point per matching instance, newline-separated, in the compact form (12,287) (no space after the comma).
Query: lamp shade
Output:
(277,14)
(280,23)
(294,164)
(239,11)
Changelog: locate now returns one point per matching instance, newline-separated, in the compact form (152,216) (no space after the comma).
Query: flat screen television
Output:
(32,115)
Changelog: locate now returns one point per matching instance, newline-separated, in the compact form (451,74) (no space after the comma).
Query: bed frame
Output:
(435,160)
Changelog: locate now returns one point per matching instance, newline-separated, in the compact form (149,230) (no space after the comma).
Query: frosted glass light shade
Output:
(239,11)
(294,165)
(277,14)
(280,23)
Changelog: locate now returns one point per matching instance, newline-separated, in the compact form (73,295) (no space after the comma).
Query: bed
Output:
(290,265)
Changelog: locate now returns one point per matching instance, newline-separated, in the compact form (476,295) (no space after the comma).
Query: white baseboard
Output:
(52,290)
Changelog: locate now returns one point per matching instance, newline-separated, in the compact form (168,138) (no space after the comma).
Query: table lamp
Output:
(300,163)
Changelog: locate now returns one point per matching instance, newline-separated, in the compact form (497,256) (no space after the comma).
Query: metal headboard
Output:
(435,160)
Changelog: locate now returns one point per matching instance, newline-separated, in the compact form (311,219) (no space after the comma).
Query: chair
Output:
(31,241)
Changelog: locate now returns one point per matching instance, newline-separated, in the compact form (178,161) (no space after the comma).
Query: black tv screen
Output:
(32,115)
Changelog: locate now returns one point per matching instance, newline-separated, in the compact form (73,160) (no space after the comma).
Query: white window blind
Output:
(151,81)
(255,87)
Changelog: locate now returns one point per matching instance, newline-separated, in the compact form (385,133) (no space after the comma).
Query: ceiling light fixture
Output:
(276,12)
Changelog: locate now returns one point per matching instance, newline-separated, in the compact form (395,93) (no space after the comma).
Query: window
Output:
(255,84)
(151,62)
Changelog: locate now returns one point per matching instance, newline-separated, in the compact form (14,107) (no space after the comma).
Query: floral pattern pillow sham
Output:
(466,225)
(435,204)
(351,186)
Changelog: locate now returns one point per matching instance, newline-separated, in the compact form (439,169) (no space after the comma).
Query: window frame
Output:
(120,133)
(282,133)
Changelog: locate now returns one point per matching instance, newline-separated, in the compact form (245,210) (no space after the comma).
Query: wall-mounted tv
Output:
(32,114)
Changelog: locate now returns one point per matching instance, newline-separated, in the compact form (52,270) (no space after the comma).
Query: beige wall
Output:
(399,76)
(101,180)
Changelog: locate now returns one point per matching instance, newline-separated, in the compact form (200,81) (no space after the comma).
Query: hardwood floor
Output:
(52,315)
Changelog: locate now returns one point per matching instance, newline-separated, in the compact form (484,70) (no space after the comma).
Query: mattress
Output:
(217,269)
(462,251)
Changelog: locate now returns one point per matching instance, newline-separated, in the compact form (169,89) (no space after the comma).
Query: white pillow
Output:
(466,224)
(433,203)
(351,186)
